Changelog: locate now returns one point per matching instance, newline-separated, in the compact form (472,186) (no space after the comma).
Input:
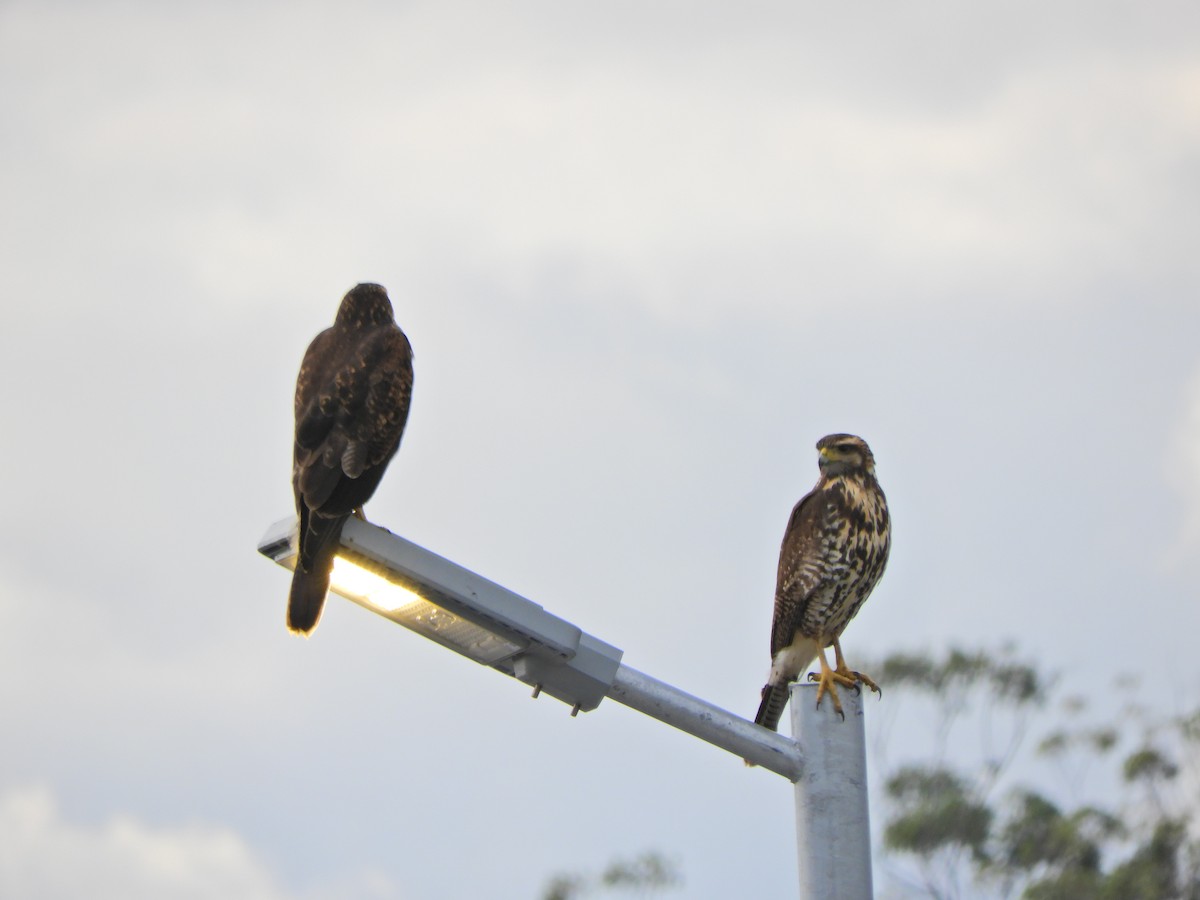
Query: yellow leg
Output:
(846,672)
(826,681)
(828,678)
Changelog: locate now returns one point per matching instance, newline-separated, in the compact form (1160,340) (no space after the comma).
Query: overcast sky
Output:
(647,254)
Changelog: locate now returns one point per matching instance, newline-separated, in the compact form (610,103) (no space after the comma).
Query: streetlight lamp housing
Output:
(460,610)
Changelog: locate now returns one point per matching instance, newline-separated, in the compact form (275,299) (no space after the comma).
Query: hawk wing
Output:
(352,400)
(799,577)
(802,568)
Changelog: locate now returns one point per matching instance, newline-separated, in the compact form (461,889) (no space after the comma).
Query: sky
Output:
(647,254)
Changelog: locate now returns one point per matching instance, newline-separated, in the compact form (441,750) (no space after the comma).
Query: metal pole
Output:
(708,722)
(833,830)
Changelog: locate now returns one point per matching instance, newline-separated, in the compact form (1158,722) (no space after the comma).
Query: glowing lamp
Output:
(458,609)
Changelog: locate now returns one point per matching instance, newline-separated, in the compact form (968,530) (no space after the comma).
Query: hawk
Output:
(834,552)
(352,399)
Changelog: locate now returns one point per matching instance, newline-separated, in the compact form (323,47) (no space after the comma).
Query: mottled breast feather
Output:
(834,551)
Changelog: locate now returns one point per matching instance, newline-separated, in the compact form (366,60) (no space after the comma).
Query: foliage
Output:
(967,837)
(935,812)
(641,876)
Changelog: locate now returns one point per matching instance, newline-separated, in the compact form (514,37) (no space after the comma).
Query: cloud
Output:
(44,856)
(746,171)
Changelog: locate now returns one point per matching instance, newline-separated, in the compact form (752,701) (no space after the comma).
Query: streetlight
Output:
(462,611)
(495,627)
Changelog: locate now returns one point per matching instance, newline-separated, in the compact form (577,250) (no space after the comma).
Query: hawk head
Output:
(843,454)
(365,304)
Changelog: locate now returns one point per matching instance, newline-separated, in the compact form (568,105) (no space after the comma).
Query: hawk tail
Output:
(314,566)
(774,699)
(306,600)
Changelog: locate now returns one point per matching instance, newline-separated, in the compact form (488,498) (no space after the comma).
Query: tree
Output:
(642,876)
(958,823)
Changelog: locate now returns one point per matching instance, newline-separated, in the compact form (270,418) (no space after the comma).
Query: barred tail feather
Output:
(307,599)
(774,699)
(314,566)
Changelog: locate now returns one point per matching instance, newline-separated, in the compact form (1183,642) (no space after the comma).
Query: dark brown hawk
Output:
(352,399)
(834,551)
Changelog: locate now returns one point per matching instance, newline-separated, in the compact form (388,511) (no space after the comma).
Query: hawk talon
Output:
(860,678)
(837,704)
(828,677)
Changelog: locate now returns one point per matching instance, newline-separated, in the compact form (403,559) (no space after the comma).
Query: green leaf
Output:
(1038,833)
(1148,764)
(935,813)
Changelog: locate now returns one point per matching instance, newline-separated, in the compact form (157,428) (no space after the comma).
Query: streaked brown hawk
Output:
(834,552)
(352,399)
